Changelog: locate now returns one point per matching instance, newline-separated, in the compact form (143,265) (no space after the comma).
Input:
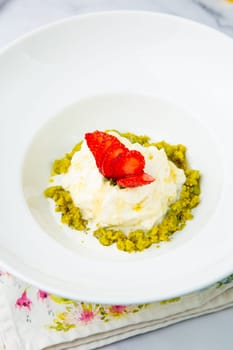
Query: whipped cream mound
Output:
(106,205)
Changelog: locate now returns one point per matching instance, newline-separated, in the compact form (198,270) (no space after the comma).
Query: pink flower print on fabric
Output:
(86,316)
(42,295)
(23,301)
(117,309)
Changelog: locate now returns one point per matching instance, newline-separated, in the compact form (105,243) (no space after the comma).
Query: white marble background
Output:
(20,16)
(213,332)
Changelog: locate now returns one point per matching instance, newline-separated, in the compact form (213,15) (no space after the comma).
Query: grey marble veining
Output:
(20,16)
(220,12)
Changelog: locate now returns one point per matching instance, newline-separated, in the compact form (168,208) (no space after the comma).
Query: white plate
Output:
(134,71)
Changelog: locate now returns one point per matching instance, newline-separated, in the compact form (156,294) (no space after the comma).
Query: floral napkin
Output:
(32,319)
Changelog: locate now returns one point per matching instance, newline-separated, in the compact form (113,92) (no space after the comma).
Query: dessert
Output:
(125,189)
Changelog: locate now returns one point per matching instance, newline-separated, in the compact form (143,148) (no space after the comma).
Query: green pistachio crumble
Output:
(177,216)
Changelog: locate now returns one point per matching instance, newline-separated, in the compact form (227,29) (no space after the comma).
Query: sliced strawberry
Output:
(112,153)
(127,164)
(94,139)
(135,180)
(98,142)
(116,161)
(104,148)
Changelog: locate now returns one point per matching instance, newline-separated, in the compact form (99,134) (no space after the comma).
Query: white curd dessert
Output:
(105,205)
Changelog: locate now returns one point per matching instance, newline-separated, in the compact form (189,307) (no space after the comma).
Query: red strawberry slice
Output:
(112,153)
(104,150)
(127,164)
(135,180)
(98,142)
(93,140)
(116,161)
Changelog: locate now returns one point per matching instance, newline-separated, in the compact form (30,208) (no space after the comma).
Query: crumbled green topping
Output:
(142,139)
(138,240)
(71,215)
(175,153)
(61,166)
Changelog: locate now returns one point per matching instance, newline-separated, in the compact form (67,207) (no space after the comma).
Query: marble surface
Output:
(18,17)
